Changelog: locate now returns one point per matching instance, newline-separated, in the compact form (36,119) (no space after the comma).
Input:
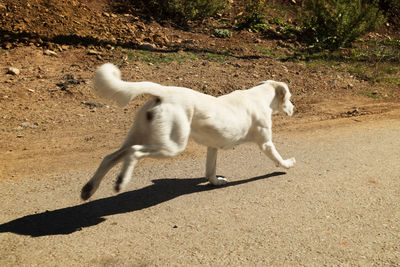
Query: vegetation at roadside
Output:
(330,33)
(332,24)
(182,11)
(254,18)
(374,61)
(157,58)
(222,33)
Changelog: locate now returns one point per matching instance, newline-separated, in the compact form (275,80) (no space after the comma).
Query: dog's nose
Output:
(290,111)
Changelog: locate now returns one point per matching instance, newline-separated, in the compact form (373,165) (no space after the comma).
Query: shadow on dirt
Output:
(72,219)
(85,41)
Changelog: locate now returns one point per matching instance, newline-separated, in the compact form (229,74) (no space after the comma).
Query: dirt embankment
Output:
(49,115)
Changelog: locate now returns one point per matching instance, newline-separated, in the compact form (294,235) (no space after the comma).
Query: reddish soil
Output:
(50,119)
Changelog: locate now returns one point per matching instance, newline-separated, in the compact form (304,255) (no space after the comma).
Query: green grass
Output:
(375,61)
(273,53)
(373,95)
(157,58)
(222,57)
(376,73)
(165,58)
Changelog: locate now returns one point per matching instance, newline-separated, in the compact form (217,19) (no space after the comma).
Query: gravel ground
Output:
(339,206)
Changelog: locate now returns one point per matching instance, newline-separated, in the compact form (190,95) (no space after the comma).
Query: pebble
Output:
(29,125)
(13,71)
(148,47)
(7,45)
(49,52)
(93,52)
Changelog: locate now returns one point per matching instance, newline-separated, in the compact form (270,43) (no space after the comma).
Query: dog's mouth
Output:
(288,112)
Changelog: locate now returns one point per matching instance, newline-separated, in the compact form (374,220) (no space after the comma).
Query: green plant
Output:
(332,24)
(222,33)
(254,19)
(277,20)
(181,11)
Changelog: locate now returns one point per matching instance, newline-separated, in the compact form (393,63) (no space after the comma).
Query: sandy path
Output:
(340,206)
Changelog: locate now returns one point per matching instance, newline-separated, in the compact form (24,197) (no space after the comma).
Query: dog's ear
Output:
(280,90)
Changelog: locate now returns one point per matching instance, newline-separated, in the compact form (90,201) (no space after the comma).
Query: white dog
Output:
(164,124)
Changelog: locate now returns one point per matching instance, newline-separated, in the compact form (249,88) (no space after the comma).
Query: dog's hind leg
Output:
(108,162)
(126,172)
(211,168)
(134,153)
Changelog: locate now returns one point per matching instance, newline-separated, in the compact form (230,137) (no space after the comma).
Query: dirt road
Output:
(339,206)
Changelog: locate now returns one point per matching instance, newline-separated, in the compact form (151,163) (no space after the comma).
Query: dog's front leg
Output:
(211,168)
(269,149)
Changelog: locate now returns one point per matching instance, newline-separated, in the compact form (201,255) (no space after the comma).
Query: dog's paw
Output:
(218,180)
(118,184)
(87,191)
(288,163)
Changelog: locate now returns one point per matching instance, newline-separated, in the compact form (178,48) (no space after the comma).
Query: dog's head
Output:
(281,102)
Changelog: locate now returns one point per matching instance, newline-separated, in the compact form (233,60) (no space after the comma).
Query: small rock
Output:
(147,46)
(13,71)
(49,52)
(93,52)
(92,104)
(29,125)
(7,45)
(353,112)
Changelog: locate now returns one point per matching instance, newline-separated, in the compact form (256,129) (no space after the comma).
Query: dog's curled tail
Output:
(108,84)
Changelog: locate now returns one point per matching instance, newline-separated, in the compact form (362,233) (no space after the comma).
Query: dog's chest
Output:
(218,137)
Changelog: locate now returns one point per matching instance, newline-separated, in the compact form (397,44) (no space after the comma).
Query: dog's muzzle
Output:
(288,109)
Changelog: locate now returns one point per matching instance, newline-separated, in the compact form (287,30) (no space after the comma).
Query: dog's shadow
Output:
(71,219)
